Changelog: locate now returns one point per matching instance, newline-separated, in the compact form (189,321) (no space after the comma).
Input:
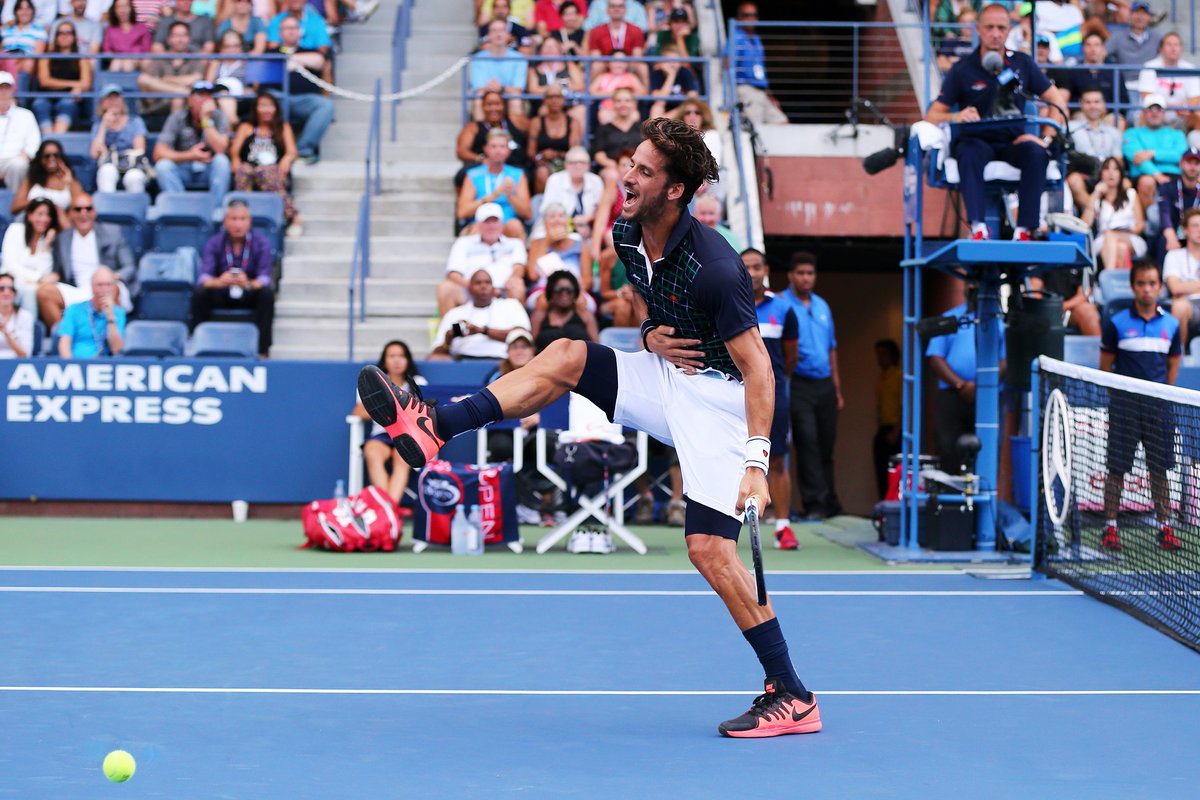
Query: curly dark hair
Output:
(688,160)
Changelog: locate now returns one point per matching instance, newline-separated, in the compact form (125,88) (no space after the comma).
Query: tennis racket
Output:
(756,550)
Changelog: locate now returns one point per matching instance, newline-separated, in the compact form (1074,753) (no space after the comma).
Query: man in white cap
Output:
(1152,150)
(21,136)
(1180,91)
(503,258)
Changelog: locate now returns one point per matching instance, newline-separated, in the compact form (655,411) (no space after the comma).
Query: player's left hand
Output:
(754,484)
(664,344)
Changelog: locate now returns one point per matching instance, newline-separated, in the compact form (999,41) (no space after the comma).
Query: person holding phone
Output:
(235,272)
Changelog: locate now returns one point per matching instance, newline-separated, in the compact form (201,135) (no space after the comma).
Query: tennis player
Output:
(1141,342)
(703,384)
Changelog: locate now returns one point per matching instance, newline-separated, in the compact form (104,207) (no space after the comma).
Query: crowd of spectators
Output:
(154,96)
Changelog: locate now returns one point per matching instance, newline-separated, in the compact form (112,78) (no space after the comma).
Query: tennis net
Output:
(1117,448)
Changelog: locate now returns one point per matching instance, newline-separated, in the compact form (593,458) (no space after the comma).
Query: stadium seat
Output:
(224,340)
(266,211)
(128,210)
(1082,350)
(126,80)
(6,215)
(154,339)
(177,266)
(1193,360)
(628,340)
(77,147)
(39,337)
(1114,285)
(266,71)
(181,219)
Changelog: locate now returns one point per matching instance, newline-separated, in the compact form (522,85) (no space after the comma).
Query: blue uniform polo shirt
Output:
(969,84)
(750,59)
(777,324)
(815,324)
(958,348)
(1142,346)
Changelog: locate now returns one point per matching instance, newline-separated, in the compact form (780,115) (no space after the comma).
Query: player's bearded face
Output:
(645,186)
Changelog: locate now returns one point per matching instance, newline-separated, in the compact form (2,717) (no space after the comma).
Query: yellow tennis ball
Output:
(119,766)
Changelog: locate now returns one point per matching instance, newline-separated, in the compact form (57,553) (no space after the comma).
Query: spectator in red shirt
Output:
(616,35)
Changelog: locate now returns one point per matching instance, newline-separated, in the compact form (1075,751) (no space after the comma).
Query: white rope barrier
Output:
(387,98)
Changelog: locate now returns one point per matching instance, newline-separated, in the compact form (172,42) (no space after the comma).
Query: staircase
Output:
(411,221)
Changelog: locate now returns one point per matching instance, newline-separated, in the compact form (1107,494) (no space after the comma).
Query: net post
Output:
(1035,461)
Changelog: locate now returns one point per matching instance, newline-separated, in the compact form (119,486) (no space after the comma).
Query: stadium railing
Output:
(360,261)
(400,33)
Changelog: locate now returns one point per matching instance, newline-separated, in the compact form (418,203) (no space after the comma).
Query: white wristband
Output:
(758,451)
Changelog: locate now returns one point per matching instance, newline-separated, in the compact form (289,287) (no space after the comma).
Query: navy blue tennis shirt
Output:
(1141,346)
(699,287)
(969,84)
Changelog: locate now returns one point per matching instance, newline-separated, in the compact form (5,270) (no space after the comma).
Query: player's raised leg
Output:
(418,430)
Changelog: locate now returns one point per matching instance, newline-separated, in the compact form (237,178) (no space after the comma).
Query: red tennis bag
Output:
(442,486)
(367,521)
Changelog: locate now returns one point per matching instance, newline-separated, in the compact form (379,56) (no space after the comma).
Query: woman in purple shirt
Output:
(125,34)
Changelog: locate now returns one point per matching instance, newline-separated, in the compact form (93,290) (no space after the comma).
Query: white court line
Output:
(409,571)
(528,592)
(601,692)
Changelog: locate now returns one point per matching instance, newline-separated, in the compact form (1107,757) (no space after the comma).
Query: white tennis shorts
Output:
(702,416)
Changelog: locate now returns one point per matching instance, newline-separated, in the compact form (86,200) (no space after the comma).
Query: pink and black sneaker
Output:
(775,712)
(406,418)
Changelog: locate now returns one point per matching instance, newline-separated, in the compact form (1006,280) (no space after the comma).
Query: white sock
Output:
(781,523)
(976,227)
(1017,231)
(1112,523)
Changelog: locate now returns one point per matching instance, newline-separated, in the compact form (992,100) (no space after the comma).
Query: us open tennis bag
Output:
(367,521)
(442,486)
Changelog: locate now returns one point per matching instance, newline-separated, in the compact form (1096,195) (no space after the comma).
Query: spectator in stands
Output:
(499,68)
(192,150)
(546,18)
(235,272)
(243,22)
(517,28)
(16,324)
(559,250)
(479,327)
(44,12)
(170,75)
(26,251)
(72,75)
(1064,22)
(201,32)
(1177,196)
(614,292)
(576,189)
(679,33)
(671,78)
(957,44)
(151,13)
(119,144)
(1025,151)
(1180,91)
(520,352)
(1117,216)
(566,75)
(615,77)
(1181,273)
(385,469)
(598,13)
(473,136)
(1152,150)
(562,317)
(262,154)
(84,246)
(696,113)
(1138,43)
(23,36)
(88,32)
(622,132)
(94,328)
(617,34)
(21,138)
(612,200)
(228,76)
(708,212)
(503,257)
(551,135)
(780,335)
(495,183)
(750,71)
(1078,309)
(49,178)
(1103,80)
(888,405)
(816,391)
(308,109)
(571,34)
(313,33)
(125,35)
(1092,137)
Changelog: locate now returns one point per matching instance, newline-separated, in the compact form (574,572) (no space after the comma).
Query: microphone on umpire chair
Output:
(882,159)
(1005,104)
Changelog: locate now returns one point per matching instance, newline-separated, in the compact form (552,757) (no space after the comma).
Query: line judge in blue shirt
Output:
(973,90)
(816,390)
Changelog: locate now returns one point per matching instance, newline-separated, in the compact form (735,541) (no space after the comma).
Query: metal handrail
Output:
(360,260)
(401,29)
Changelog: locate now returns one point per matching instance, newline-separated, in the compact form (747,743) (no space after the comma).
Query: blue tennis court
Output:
(299,684)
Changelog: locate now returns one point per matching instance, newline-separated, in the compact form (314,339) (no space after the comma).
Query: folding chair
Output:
(584,427)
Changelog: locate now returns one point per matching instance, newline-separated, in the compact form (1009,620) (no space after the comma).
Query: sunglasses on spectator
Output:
(563,290)
(81,209)
(7,287)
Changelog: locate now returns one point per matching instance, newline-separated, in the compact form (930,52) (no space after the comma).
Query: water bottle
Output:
(459,531)
(339,494)
(474,533)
